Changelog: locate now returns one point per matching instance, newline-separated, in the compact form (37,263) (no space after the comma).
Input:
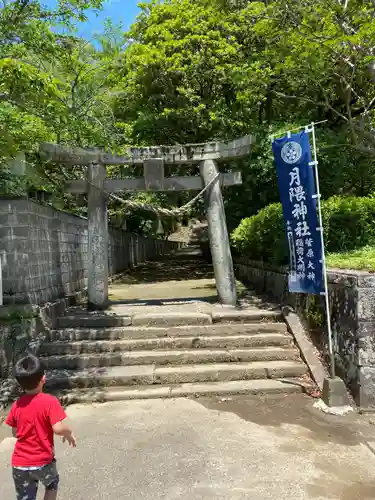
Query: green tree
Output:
(182,70)
(320,63)
(53,86)
(194,71)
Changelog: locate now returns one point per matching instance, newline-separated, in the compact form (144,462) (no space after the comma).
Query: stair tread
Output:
(229,366)
(168,316)
(184,389)
(211,326)
(133,332)
(136,369)
(143,339)
(173,352)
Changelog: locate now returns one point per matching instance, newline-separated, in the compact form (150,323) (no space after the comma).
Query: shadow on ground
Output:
(181,277)
(296,410)
(171,268)
(162,302)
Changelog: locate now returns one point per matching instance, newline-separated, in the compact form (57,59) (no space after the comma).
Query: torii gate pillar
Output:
(218,236)
(97,268)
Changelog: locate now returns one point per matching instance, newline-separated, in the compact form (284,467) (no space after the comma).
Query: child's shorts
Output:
(26,480)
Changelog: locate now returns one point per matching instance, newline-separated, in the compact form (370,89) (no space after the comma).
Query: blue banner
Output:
(297,194)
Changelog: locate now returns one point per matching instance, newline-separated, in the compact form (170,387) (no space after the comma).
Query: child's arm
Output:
(57,417)
(63,430)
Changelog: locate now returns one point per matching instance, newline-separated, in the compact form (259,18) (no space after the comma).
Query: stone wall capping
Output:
(306,347)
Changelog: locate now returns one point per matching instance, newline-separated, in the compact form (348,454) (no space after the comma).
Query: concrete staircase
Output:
(170,351)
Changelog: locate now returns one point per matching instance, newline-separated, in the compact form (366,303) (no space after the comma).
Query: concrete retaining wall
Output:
(352,300)
(44,252)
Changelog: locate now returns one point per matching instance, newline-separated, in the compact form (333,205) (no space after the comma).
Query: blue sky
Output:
(118,10)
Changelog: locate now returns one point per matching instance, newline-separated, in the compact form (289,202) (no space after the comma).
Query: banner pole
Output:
(1,283)
(324,268)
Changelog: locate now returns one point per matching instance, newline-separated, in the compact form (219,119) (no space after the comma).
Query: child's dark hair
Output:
(28,372)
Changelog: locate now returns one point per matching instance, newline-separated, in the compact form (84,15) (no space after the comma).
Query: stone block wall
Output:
(44,251)
(18,328)
(352,304)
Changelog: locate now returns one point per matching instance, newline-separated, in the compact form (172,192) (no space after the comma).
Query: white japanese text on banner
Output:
(297,193)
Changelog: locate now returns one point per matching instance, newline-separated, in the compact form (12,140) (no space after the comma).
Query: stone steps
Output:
(235,387)
(169,318)
(61,348)
(81,333)
(170,350)
(166,375)
(169,357)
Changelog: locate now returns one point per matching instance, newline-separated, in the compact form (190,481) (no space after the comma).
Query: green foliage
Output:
(262,237)
(189,71)
(315,312)
(361,258)
(349,224)
(194,70)
(181,73)
(197,69)
(342,170)
(53,87)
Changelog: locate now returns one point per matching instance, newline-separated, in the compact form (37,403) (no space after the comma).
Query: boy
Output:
(35,417)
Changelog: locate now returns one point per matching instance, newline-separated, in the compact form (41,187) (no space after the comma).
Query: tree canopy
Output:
(190,71)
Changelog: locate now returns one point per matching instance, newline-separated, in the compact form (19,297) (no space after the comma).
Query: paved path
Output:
(243,448)
(181,280)
(178,283)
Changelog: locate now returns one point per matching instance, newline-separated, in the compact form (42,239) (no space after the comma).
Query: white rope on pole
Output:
(324,268)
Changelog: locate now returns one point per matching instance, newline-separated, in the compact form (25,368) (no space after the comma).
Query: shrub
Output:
(262,236)
(349,223)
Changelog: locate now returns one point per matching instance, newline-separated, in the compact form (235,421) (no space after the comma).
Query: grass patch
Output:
(361,259)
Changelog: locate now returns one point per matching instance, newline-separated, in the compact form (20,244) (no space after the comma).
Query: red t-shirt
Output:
(33,416)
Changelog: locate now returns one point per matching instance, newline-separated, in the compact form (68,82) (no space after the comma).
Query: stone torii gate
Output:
(154,159)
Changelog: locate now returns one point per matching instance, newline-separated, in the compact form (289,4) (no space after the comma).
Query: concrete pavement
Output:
(233,449)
